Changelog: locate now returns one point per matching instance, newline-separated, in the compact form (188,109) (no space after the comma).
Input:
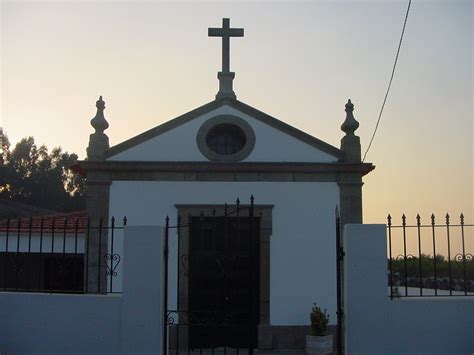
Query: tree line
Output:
(460,269)
(36,176)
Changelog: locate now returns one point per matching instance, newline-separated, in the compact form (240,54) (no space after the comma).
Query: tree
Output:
(32,175)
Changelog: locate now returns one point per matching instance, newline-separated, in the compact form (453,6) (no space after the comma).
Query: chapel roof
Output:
(238,105)
(100,156)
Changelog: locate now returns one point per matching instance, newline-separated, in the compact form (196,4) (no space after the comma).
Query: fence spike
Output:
(389,220)
(404,219)
(432,219)
(237,202)
(447,218)
(167,221)
(418,219)
(251,199)
(461,217)
(112,221)
(124,221)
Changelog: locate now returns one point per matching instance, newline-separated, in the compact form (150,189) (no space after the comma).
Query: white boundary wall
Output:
(377,325)
(33,323)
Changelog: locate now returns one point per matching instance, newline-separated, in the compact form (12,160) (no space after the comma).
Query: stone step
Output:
(239,352)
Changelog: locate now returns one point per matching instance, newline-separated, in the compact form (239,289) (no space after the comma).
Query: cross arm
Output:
(224,32)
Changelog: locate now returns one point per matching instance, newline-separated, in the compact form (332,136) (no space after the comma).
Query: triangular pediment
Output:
(177,139)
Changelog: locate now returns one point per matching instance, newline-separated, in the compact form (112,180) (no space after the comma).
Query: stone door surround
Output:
(264,212)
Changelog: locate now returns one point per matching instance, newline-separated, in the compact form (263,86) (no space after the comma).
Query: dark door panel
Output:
(223,282)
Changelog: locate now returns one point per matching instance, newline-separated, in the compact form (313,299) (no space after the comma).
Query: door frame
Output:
(265,213)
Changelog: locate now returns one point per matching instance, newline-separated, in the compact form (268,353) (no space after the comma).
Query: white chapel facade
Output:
(224,150)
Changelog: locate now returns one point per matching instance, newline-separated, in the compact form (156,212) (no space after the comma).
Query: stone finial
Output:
(350,124)
(99,122)
(98,141)
(350,143)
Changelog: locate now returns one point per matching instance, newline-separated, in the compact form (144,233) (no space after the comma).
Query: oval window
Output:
(226,139)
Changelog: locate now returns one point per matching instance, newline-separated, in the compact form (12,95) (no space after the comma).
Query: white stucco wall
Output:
(302,246)
(377,325)
(59,324)
(127,323)
(179,144)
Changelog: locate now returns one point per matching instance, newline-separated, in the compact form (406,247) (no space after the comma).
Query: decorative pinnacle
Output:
(98,141)
(350,124)
(99,122)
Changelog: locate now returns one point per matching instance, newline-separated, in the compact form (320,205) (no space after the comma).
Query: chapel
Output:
(253,201)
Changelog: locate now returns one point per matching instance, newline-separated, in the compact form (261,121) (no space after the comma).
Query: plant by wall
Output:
(319,321)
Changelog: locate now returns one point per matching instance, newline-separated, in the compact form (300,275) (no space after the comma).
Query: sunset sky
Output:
(299,62)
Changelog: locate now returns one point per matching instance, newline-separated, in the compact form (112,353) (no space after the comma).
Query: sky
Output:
(299,61)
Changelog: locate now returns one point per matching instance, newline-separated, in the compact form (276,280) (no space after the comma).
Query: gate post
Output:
(339,260)
(165,288)
(252,260)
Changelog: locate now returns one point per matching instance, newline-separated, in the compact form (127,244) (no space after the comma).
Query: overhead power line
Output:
(390,82)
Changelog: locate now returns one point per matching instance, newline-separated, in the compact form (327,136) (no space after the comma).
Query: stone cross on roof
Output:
(225,76)
(226,32)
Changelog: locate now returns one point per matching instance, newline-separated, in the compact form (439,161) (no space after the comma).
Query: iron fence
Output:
(58,254)
(434,259)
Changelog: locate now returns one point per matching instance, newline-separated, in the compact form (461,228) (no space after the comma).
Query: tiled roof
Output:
(69,222)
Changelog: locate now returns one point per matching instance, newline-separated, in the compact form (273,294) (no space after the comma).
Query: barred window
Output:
(226,139)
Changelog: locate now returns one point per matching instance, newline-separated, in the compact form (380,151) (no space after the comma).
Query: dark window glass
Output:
(226,139)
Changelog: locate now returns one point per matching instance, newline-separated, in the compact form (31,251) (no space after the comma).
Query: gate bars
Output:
(441,265)
(187,318)
(51,254)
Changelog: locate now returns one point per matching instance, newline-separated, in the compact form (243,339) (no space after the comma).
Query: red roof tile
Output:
(69,222)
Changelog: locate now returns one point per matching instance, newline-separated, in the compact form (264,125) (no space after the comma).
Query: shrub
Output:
(319,321)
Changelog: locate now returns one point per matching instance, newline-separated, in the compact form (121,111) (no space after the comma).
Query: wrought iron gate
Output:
(217,282)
